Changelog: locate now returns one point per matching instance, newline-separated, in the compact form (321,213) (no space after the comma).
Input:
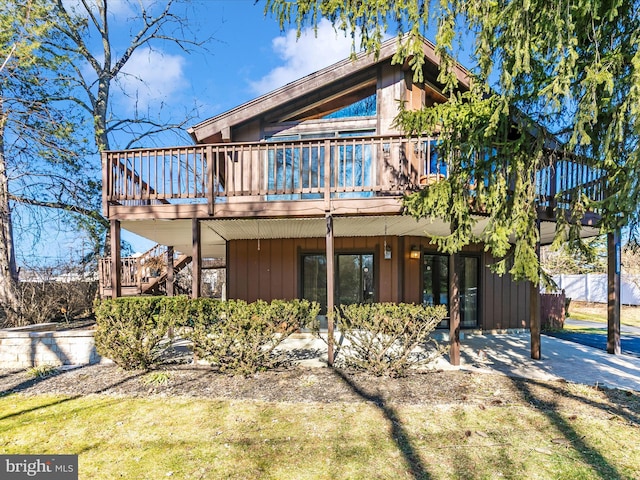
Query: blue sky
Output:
(248,55)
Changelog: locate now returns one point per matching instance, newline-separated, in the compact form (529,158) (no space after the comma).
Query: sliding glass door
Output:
(354,281)
(435,285)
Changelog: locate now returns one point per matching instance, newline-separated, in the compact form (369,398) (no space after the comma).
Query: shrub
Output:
(241,338)
(129,330)
(42,371)
(156,378)
(235,336)
(387,338)
(47,300)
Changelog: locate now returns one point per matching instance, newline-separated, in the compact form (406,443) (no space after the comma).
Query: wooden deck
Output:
(300,178)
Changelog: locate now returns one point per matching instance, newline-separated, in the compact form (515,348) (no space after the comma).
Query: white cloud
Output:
(303,56)
(151,77)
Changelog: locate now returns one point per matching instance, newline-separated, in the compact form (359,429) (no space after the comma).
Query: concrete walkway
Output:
(510,354)
(561,359)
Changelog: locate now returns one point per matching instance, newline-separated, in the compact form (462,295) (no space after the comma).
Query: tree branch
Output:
(92,214)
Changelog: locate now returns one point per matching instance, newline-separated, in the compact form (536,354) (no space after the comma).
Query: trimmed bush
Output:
(129,330)
(235,336)
(241,338)
(387,338)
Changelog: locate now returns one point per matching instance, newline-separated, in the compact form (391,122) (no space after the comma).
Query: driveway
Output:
(629,336)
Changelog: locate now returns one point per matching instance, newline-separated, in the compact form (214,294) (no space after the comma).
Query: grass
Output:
(591,437)
(578,329)
(597,312)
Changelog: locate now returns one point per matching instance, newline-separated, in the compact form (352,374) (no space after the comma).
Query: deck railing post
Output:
(210,183)
(196,259)
(170,272)
(107,182)
(327,175)
(116,264)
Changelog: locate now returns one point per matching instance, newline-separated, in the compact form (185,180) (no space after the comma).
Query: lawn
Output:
(597,312)
(556,431)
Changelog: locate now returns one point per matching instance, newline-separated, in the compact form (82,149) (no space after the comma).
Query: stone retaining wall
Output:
(24,349)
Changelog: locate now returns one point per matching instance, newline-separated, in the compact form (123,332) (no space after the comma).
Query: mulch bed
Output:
(304,384)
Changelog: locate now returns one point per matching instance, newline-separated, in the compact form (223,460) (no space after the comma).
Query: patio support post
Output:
(534,307)
(116,269)
(330,287)
(196,260)
(454,310)
(614,292)
(170,272)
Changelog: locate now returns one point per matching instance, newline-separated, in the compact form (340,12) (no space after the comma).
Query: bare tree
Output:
(151,24)
(35,129)
(55,117)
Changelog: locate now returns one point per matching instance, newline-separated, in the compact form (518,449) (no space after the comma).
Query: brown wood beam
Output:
(170,281)
(454,310)
(534,307)
(614,292)
(590,219)
(196,259)
(330,287)
(106,183)
(251,209)
(116,267)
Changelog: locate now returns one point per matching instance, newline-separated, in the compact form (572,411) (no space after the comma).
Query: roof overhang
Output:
(215,233)
(304,88)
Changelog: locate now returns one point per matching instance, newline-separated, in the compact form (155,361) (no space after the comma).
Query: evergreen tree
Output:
(549,78)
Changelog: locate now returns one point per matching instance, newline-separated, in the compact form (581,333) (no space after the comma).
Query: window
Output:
(314,280)
(354,282)
(435,282)
(296,170)
(367,107)
(468,272)
(435,285)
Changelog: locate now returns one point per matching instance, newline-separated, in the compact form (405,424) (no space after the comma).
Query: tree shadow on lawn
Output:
(398,433)
(33,381)
(550,409)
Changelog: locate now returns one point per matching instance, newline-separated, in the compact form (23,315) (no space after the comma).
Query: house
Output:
(300,190)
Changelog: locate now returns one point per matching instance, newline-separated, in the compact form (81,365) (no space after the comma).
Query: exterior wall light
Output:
(415,252)
(387,251)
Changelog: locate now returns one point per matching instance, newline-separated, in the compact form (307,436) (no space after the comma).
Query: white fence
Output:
(592,287)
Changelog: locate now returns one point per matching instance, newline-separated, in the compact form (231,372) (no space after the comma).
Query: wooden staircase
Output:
(142,275)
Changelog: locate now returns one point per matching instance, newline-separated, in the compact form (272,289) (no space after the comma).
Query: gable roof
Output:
(303,96)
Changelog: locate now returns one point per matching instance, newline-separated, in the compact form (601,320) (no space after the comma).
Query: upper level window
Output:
(367,107)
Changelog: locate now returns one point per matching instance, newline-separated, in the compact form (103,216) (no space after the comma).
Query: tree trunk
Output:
(9,299)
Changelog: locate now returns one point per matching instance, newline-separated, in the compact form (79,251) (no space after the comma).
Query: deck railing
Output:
(135,271)
(350,167)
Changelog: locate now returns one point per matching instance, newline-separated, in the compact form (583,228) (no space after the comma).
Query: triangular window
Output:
(365,107)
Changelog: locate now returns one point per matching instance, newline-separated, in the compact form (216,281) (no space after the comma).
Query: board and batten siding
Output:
(505,303)
(270,269)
